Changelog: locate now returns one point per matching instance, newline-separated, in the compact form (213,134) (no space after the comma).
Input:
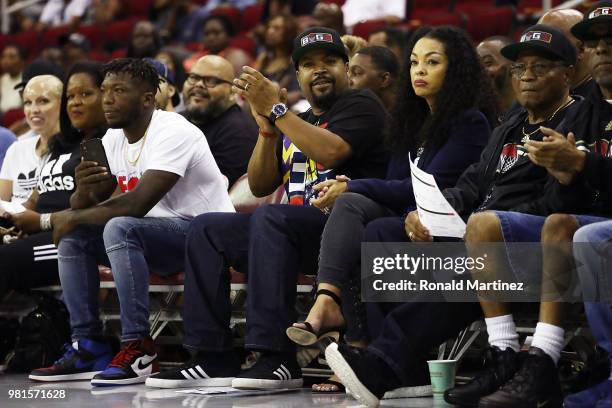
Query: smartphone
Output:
(93,150)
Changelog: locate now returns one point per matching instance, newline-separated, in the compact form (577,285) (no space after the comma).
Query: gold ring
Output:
(246,87)
(410,235)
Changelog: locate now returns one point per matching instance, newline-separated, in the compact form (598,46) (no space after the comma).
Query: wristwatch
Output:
(278,110)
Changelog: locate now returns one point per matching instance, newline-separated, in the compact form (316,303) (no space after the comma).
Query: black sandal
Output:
(307,336)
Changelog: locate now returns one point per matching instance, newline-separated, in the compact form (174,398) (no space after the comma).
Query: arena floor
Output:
(80,394)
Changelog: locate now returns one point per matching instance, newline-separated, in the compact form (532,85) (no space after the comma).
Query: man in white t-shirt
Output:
(163,175)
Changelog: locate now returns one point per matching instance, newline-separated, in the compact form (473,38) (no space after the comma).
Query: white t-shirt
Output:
(174,145)
(56,14)
(9,96)
(21,166)
(359,10)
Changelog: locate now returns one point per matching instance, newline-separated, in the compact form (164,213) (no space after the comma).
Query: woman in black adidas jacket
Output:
(29,258)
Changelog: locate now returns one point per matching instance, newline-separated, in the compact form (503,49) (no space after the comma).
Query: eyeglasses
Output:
(208,81)
(539,68)
(594,42)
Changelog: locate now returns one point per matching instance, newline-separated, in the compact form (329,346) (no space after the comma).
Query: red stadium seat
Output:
(120,31)
(230,12)
(101,56)
(51,36)
(11,116)
(425,9)
(95,34)
(443,19)
(364,29)
(28,40)
(246,44)
(250,17)
(485,23)
(138,7)
(468,6)
(120,53)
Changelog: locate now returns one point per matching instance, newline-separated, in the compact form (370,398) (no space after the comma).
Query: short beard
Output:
(326,101)
(203,116)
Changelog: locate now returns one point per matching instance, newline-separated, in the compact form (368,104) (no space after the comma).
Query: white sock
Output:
(549,339)
(502,332)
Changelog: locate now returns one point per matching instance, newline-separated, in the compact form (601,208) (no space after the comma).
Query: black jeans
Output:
(272,246)
(28,262)
(404,333)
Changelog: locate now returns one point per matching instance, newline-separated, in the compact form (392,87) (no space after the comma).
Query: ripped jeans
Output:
(132,247)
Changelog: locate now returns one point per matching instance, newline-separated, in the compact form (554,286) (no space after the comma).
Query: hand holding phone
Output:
(94,168)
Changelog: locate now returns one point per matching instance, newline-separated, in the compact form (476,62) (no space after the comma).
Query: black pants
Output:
(28,262)
(272,246)
(404,333)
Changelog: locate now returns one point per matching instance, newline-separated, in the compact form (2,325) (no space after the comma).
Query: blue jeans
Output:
(132,247)
(594,255)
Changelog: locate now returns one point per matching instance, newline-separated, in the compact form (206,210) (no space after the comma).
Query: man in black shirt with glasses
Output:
(210,105)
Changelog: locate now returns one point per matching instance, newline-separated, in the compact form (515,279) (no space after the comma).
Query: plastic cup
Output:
(442,374)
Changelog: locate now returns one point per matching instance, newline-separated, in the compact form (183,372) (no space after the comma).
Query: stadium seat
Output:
(11,116)
(138,8)
(485,23)
(120,53)
(364,28)
(246,44)
(28,40)
(51,36)
(119,32)
(95,34)
(251,15)
(425,9)
(97,55)
(230,12)
(443,19)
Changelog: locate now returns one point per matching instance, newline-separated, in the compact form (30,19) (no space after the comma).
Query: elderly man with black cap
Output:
(503,179)
(580,170)
(340,135)
(578,155)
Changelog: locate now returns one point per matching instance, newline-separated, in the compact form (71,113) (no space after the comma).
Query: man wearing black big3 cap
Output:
(340,136)
(577,164)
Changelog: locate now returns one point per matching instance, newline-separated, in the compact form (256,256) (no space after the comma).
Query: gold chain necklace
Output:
(526,135)
(125,148)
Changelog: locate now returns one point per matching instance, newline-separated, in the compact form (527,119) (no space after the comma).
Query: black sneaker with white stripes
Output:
(272,371)
(203,370)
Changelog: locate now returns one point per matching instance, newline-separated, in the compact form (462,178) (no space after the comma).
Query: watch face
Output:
(279,109)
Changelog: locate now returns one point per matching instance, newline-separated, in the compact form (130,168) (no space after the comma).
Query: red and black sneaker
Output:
(135,362)
(82,360)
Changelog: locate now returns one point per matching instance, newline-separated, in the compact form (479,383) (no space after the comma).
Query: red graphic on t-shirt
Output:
(508,158)
(129,186)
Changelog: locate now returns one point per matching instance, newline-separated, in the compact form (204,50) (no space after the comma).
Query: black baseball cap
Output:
(600,13)
(317,38)
(546,40)
(39,67)
(164,72)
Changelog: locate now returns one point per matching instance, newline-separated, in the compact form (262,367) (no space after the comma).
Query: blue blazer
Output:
(465,143)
